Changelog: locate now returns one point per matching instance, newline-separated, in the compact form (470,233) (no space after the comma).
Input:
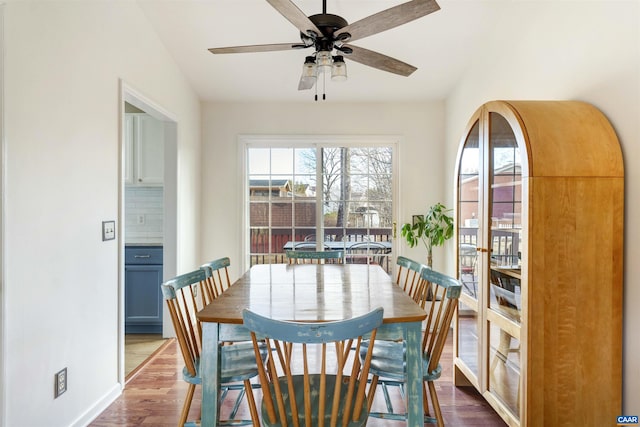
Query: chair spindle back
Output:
(296,394)
(442,305)
(217,277)
(183,295)
(410,279)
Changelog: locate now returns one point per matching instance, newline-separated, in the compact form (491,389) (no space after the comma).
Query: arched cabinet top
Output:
(560,138)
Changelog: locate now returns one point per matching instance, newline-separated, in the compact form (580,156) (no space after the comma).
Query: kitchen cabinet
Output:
(539,210)
(143,297)
(144,150)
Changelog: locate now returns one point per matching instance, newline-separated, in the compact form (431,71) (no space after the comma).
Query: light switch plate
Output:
(108,230)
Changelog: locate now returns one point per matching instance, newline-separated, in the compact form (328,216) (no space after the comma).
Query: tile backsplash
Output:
(143,222)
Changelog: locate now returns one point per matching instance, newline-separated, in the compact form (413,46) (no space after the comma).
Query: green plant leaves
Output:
(432,229)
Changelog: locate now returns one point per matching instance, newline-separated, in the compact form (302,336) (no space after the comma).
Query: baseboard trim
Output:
(99,407)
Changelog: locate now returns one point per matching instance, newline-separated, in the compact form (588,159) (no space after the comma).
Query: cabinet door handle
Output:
(142,256)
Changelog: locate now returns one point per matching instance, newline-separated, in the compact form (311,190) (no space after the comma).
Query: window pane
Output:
(259,214)
(258,161)
(304,186)
(468,212)
(506,293)
(380,161)
(305,159)
(506,194)
(282,161)
(305,214)
(504,367)
(468,338)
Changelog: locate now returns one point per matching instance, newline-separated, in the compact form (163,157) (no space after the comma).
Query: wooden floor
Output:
(154,397)
(137,348)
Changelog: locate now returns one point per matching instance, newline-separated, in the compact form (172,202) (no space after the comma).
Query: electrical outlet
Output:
(140,219)
(60,383)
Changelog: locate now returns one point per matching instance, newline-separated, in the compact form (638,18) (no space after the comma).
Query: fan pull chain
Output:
(324,84)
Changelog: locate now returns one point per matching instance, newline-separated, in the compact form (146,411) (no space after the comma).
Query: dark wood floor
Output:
(155,395)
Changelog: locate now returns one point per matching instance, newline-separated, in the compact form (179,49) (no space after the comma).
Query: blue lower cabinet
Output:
(142,295)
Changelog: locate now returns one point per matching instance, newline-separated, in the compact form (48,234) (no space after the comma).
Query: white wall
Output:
(588,51)
(421,151)
(64,62)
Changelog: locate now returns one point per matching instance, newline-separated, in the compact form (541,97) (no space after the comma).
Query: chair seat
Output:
(238,363)
(389,360)
(314,381)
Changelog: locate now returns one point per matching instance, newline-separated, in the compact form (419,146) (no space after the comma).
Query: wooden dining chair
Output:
(387,363)
(410,280)
(315,257)
(184,297)
(217,276)
(312,377)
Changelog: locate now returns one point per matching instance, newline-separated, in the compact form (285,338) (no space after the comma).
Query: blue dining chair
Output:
(410,280)
(388,360)
(369,252)
(310,380)
(217,272)
(184,296)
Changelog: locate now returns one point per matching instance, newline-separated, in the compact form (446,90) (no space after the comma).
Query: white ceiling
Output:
(441,45)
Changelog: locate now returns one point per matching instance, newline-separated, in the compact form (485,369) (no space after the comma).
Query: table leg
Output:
(210,374)
(413,337)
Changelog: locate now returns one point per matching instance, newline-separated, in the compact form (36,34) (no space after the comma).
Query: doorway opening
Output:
(147,225)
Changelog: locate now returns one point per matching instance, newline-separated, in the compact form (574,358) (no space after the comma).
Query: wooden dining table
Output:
(311,293)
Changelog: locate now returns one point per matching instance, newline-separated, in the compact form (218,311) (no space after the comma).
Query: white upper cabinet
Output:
(144,150)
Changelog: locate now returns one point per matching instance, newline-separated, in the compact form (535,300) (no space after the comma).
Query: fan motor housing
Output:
(328,23)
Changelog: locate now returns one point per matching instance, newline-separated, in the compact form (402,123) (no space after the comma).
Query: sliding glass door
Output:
(320,196)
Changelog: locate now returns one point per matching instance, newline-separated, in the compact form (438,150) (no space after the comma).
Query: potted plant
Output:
(432,229)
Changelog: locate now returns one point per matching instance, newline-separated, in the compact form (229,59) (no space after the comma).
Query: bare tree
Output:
(340,164)
(331,172)
(345,187)
(380,182)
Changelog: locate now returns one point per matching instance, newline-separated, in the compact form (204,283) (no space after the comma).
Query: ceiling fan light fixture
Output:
(324,61)
(338,69)
(309,67)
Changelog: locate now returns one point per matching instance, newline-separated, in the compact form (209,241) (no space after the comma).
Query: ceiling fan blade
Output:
(306,82)
(379,61)
(294,15)
(256,48)
(389,18)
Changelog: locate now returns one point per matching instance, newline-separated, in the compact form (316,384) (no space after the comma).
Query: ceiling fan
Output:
(328,33)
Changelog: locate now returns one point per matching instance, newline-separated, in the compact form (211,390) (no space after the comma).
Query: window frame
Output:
(313,141)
